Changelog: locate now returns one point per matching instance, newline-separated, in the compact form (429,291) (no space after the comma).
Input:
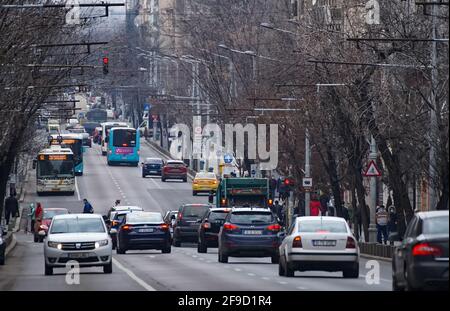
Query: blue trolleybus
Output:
(74,142)
(123,146)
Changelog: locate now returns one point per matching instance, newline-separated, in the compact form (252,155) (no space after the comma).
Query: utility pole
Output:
(373,193)
(307,171)
(433,118)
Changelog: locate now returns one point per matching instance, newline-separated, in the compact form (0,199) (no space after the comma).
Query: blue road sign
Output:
(147,107)
(228,158)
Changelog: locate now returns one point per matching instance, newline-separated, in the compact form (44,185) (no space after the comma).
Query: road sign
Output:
(228,158)
(307,182)
(372,170)
(147,107)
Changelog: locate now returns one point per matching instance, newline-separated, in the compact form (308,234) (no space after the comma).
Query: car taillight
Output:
(127,227)
(350,243)
(164,227)
(275,227)
(426,249)
(206,225)
(297,242)
(229,227)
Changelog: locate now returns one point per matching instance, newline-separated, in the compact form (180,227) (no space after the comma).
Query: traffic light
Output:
(105,65)
(289,183)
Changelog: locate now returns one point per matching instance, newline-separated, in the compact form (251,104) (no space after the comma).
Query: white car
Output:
(80,237)
(320,244)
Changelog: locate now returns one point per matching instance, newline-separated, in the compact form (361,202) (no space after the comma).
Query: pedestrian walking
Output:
(11,208)
(272,187)
(314,207)
(87,209)
(145,133)
(38,216)
(32,217)
(381,219)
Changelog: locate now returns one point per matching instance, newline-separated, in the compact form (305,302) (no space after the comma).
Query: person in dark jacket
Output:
(87,209)
(11,208)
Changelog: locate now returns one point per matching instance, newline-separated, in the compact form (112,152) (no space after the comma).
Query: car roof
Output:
(127,208)
(174,162)
(431,214)
(153,159)
(195,204)
(250,209)
(55,209)
(220,209)
(326,218)
(72,216)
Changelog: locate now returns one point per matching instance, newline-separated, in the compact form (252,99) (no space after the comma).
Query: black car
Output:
(250,232)
(143,230)
(208,230)
(2,248)
(152,166)
(421,261)
(188,220)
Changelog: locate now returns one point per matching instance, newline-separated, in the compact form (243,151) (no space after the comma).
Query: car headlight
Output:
(101,243)
(54,245)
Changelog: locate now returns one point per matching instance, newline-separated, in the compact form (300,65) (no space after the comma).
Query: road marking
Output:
(250,274)
(301,288)
(282,282)
(133,276)
(200,258)
(237,269)
(77,190)
(194,256)
(381,279)
(265,278)
(208,261)
(151,256)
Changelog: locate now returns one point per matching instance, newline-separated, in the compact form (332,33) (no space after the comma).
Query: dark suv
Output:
(208,230)
(152,166)
(174,170)
(188,220)
(249,232)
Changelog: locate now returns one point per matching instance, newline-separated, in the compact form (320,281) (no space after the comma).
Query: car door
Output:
(402,250)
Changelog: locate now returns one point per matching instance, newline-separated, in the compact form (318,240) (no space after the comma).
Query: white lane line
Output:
(208,261)
(237,269)
(77,190)
(265,278)
(194,256)
(133,276)
(282,282)
(250,274)
(301,288)
(200,258)
(151,256)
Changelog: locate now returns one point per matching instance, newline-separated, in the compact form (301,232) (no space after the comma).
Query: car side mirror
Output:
(34,164)
(394,237)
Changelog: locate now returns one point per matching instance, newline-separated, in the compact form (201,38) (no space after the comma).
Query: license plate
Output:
(324,243)
(154,172)
(146,230)
(253,232)
(55,189)
(78,255)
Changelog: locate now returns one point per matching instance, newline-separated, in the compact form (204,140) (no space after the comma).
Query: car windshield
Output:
(219,215)
(77,225)
(119,217)
(322,225)
(436,225)
(206,175)
(175,164)
(144,218)
(195,211)
(48,214)
(250,218)
(124,137)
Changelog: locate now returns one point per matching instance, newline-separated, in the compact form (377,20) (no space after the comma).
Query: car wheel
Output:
(119,249)
(167,249)
(114,245)
(185,179)
(108,268)
(194,193)
(275,258)
(202,248)
(48,270)
(352,273)
(289,270)
(35,238)
(222,257)
(176,242)
(143,175)
(280,268)
(163,179)
(2,260)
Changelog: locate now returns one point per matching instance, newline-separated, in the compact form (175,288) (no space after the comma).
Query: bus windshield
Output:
(55,168)
(76,145)
(124,137)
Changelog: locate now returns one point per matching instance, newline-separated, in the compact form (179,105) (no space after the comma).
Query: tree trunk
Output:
(334,180)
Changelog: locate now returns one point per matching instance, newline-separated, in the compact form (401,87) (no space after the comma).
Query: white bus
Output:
(105,132)
(55,171)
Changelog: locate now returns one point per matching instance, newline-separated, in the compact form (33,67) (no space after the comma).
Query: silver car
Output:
(78,237)
(321,244)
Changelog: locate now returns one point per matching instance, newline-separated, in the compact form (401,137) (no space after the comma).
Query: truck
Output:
(239,192)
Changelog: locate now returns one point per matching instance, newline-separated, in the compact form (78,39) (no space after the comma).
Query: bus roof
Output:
(122,128)
(68,135)
(56,149)
(114,123)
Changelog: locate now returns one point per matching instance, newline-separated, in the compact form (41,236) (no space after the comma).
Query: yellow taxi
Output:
(204,182)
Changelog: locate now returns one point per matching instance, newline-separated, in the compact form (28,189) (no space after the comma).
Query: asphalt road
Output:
(183,270)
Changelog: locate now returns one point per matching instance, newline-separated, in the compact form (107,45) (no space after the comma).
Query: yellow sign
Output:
(64,142)
(57,157)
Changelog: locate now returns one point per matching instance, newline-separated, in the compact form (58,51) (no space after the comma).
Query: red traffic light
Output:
(105,60)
